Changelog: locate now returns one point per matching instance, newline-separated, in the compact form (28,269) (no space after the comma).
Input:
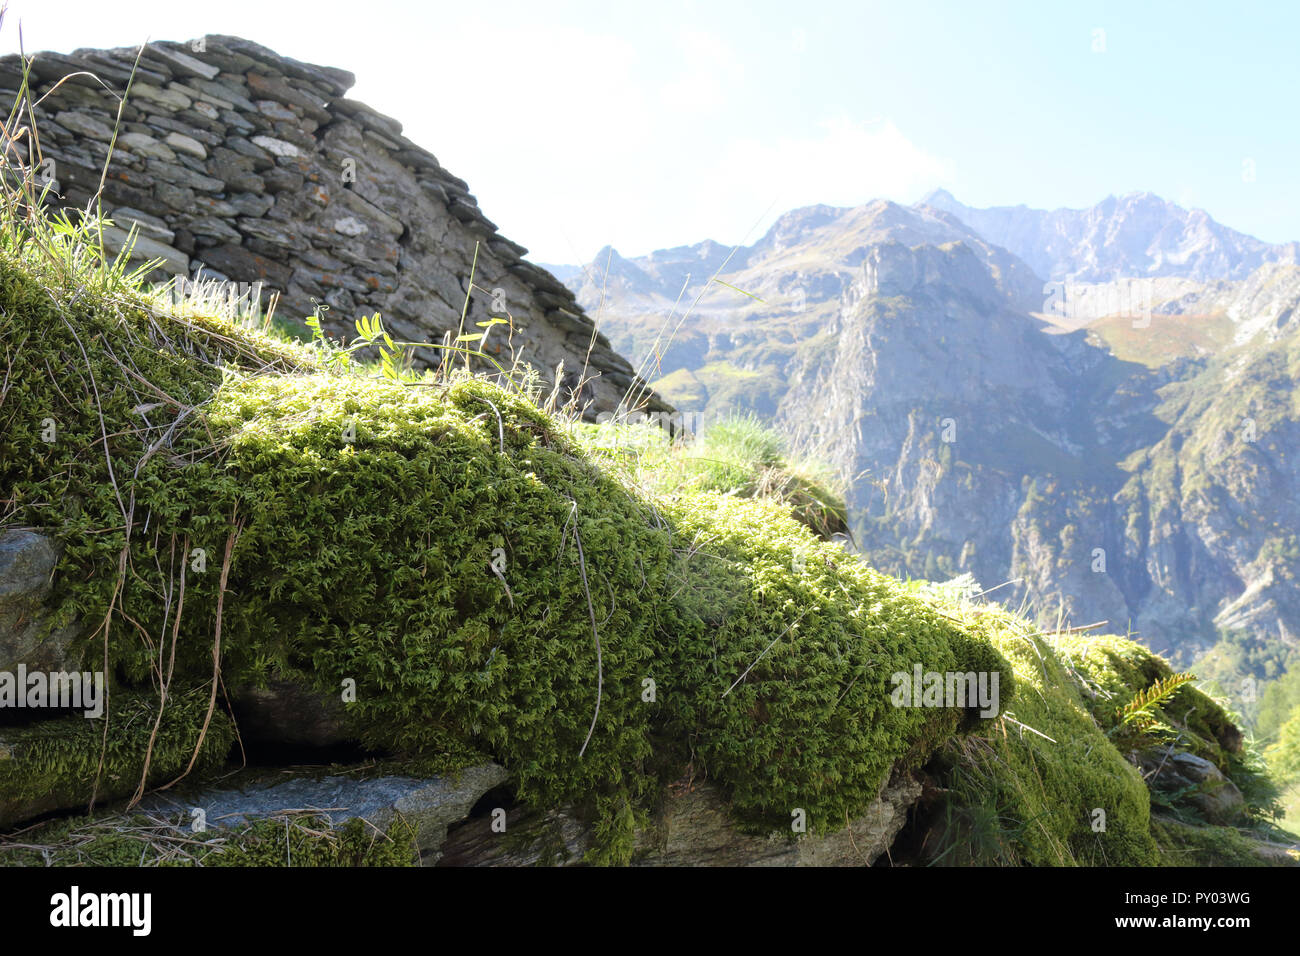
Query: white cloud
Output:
(676,192)
(845,163)
(573,135)
(709,75)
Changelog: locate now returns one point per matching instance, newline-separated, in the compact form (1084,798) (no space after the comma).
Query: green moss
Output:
(1043,773)
(451,554)
(1182,844)
(55,764)
(1012,795)
(313,843)
(740,456)
(794,707)
(748,458)
(1114,669)
(483,582)
(301,840)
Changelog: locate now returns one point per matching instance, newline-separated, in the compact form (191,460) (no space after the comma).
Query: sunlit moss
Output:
(475,580)
(451,558)
(1182,844)
(1059,791)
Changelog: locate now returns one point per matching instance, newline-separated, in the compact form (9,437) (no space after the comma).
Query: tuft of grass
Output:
(740,456)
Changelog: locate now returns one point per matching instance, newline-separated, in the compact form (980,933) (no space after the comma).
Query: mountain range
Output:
(1138,234)
(1093,409)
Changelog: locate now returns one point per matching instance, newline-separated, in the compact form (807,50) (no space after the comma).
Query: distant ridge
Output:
(1137,234)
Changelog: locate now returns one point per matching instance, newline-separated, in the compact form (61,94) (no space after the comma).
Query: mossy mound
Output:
(740,456)
(1045,786)
(472,578)
(446,557)
(1114,670)
(795,668)
(1055,782)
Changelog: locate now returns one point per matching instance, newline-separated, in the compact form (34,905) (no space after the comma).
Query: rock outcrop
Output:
(27,562)
(1196,782)
(428,805)
(233,162)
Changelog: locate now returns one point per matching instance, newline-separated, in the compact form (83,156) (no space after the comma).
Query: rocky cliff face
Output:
(975,434)
(1105,470)
(234,162)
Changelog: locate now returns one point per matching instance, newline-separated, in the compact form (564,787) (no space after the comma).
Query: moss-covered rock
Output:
(1184,844)
(740,456)
(301,840)
(453,566)
(442,556)
(1113,671)
(1058,781)
(1044,786)
(61,764)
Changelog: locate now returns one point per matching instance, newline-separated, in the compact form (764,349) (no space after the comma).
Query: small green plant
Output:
(1139,716)
(370,331)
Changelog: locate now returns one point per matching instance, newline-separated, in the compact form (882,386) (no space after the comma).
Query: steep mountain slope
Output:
(1096,466)
(1212,514)
(984,444)
(727,344)
(1138,234)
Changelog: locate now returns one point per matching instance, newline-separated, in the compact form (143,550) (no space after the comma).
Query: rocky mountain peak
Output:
(1137,234)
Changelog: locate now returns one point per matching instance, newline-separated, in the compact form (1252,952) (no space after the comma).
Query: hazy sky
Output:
(657,123)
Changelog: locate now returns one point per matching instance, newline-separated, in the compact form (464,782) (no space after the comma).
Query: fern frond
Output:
(1138,713)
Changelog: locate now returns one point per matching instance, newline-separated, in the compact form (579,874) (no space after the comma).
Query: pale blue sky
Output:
(658,123)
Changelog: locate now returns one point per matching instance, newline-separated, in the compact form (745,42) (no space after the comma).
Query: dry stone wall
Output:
(235,162)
